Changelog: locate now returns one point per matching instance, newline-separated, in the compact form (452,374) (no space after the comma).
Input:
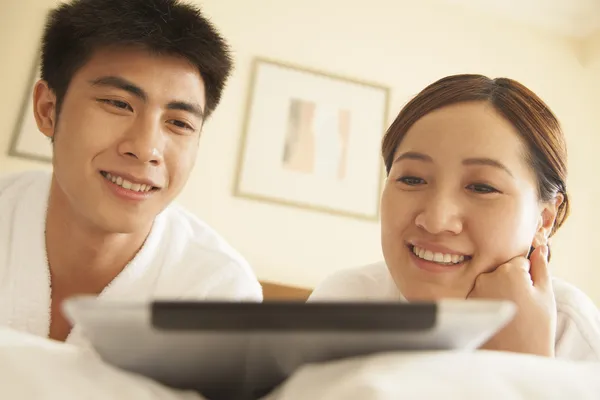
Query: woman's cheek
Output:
(504,238)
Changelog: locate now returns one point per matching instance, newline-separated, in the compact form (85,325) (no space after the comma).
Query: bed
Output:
(282,292)
(33,368)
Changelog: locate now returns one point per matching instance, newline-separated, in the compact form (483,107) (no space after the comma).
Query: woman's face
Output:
(460,200)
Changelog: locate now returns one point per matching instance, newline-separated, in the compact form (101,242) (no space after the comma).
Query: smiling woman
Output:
(476,186)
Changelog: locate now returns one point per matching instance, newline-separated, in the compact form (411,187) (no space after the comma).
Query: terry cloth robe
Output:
(182,258)
(578,318)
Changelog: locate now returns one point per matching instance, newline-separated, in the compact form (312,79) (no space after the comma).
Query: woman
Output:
(476,186)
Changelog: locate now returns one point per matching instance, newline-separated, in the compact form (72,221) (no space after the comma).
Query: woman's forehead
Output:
(464,130)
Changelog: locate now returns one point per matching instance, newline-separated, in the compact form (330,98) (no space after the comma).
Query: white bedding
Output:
(34,368)
(445,375)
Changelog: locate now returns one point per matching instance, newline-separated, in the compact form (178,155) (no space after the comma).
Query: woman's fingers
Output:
(540,274)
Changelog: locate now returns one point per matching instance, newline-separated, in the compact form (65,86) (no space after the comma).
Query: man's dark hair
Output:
(75,30)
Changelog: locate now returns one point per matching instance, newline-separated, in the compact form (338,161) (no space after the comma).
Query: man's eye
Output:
(117,103)
(411,180)
(181,124)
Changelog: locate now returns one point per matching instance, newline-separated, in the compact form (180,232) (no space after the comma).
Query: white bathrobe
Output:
(578,323)
(181,258)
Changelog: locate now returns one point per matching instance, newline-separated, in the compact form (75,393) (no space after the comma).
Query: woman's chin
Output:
(427,290)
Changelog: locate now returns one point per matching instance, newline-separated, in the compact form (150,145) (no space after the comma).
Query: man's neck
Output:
(80,255)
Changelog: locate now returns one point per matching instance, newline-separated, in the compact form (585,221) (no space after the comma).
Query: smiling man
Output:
(126,88)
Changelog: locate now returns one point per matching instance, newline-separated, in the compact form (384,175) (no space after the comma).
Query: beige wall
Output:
(592,49)
(402,44)
(22,20)
(592,63)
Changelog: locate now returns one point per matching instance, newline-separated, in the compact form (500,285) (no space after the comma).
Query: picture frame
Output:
(312,140)
(27,141)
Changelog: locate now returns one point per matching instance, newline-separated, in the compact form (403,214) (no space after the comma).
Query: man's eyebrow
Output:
(121,83)
(489,162)
(192,108)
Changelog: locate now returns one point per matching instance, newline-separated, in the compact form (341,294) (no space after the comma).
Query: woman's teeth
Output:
(440,258)
(124,183)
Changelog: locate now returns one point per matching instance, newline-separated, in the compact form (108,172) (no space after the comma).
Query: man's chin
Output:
(121,223)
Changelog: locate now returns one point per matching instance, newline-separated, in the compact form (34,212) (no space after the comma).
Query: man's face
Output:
(126,137)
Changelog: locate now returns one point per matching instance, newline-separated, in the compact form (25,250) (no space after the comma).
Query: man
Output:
(126,88)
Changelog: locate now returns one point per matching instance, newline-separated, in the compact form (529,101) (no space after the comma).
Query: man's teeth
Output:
(437,257)
(124,183)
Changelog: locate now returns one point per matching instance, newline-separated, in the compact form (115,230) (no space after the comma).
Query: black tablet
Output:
(229,350)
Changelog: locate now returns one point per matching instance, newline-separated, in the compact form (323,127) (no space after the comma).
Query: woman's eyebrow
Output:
(413,155)
(489,162)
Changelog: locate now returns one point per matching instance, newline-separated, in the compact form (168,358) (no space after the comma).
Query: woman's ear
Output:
(547,218)
(44,108)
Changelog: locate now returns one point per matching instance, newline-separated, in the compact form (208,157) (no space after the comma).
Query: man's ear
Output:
(547,218)
(44,108)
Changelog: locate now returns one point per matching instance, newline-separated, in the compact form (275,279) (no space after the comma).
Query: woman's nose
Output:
(440,214)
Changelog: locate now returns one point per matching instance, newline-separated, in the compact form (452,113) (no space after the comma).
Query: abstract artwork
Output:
(27,141)
(312,140)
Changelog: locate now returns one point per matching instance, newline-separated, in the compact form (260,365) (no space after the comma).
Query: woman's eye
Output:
(411,180)
(117,103)
(482,188)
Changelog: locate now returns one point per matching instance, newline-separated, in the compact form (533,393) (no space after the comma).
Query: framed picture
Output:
(27,141)
(312,140)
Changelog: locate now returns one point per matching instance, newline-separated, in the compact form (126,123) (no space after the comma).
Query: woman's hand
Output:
(529,286)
